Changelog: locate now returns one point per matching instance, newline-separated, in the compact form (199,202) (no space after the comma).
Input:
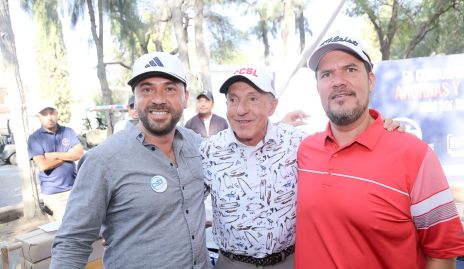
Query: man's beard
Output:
(157,128)
(345,117)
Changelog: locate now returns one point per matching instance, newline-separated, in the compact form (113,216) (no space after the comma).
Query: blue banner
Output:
(427,96)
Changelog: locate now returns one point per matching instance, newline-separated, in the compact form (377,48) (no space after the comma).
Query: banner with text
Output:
(427,96)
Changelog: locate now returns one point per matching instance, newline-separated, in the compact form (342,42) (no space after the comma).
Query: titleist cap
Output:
(344,43)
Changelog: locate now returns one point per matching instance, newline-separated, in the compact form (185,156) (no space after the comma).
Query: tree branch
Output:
(426,27)
(120,63)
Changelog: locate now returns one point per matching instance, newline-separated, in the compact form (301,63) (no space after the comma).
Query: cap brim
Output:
(45,107)
(133,81)
(225,86)
(204,95)
(318,54)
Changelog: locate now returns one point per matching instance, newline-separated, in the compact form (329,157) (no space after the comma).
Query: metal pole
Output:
(309,50)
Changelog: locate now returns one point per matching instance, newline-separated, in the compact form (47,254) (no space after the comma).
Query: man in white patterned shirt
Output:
(251,170)
(252,174)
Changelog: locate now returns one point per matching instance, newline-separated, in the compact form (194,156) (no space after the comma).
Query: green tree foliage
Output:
(223,48)
(413,28)
(51,54)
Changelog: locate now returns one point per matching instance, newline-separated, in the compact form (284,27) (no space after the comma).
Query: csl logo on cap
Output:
(154,62)
(246,71)
(338,39)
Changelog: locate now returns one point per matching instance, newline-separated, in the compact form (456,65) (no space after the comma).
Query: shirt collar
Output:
(139,135)
(369,137)
(43,130)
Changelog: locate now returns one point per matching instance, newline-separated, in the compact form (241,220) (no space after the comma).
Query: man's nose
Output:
(338,79)
(242,107)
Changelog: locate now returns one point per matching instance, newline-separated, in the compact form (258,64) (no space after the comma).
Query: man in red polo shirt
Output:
(368,198)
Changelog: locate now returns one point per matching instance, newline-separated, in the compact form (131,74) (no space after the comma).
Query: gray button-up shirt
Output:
(150,212)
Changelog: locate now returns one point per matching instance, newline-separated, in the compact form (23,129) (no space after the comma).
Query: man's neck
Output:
(205,116)
(345,134)
(51,130)
(164,142)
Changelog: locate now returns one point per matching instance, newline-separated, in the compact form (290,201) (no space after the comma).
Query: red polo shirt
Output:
(381,201)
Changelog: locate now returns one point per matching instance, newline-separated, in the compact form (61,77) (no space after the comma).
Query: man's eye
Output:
(253,99)
(323,75)
(351,69)
(231,101)
(170,89)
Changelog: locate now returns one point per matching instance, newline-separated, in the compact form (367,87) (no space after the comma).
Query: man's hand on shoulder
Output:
(295,118)
(391,125)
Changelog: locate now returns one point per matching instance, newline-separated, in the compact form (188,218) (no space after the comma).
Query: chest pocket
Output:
(194,164)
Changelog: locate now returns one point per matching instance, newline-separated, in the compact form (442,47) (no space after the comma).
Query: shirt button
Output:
(172,164)
(193,237)
(183,187)
(152,148)
(186,211)
(194,262)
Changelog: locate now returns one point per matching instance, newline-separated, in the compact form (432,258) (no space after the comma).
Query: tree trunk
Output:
(202,52)
(107,97)
(265,40)
(288,36)
(20,120)
(301,28)
(177,17)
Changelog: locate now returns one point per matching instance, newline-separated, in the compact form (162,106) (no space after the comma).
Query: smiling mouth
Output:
(159,112)
(243,121)
(341,95)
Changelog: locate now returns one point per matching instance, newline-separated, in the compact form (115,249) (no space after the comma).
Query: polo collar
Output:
(43,130)
(369,138)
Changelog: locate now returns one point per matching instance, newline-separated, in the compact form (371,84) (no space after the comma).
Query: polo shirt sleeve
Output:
(34,147)
(73,138)
(434,212)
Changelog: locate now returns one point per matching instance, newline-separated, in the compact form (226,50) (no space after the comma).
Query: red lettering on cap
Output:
(247,71)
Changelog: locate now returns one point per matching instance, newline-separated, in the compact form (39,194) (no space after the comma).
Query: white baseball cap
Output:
(157,63)
(39,107)
(256,77)
(343,43)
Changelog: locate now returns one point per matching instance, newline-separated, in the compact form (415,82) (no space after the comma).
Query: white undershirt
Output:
(207,122)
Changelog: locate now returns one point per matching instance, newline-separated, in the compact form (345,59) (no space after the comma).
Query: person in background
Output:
(54,150)
(133,117)
(368,198)
(143,187)
(206,123)
(252,173)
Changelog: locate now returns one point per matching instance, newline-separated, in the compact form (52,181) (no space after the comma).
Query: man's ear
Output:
(371,81)
(186,98)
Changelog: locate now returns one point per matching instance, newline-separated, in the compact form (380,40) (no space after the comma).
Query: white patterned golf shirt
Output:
(253,190)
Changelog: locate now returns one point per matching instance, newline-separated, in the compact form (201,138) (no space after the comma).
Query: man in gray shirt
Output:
(143,187)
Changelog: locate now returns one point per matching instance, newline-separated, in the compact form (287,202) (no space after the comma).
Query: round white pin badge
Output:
(159,183)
